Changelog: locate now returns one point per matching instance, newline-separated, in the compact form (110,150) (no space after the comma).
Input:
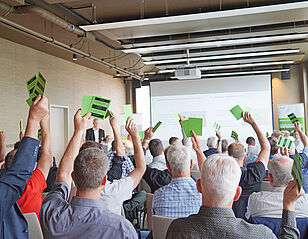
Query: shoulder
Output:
(122,225)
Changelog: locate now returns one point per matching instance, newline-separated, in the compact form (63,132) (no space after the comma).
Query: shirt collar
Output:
(159,158)
(216,212)
(181,179)
(278,189)
(87,202)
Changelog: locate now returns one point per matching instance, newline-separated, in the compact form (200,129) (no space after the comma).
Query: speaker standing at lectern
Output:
(95,134)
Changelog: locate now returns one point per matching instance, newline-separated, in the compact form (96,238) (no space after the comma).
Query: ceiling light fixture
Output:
(74,57)
(219,57)
(219,43)
(235,66)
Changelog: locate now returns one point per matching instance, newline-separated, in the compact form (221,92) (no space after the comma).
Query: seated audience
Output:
(180,198)
(12,183)
(270,203)
(220,176)
(252,149)
(86,214)
(157,151)
(174,141)
(211,144)
(251,178)
(31,198)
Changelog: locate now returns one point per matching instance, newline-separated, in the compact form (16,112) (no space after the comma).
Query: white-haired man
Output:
(270,203)
(211,144)
(220,176)
(180,198)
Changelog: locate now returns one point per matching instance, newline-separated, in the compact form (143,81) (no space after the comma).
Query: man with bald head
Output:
(252,177)
(270,203)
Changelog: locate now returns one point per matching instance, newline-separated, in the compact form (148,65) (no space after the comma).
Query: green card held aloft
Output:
(267,135)
(250,110)
(234,135)
(21,127)
(128,111)
(217,126)
(297,170)
(141,134)
(36,86)
(156,126)
(237,112)
(292,117)
(284,142)
(194,124)
(109,113)
(97,105)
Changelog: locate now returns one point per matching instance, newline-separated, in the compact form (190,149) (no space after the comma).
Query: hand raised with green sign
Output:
(290,195)
(131,128)
(248,118)
(298,126)
(80,123)
(148,133)
(195,141)
(182,117)
(113,120)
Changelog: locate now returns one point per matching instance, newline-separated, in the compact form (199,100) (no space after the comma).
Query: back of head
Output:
(90,168)
(285,133)
(211,142)
(90,144)
(9,159)
(174,141)
(236,151)
(250,141)
(276,134)
(280,168)
(178,158)
(220,176)
(156,147)
(273,144)
(224,146)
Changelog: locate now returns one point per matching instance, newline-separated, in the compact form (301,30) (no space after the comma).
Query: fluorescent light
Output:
(223,67)
(229,56)
(245,72)
(219,43)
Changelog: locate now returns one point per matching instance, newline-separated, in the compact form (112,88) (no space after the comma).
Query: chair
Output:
(160,226)
(144,186)
(34,228)
(274,224)
(266,186)
(149,199)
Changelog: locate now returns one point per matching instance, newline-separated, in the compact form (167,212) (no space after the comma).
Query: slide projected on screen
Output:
(212,101)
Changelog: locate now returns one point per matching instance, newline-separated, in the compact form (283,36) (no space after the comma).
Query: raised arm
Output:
(303,137)
(265,145)
(148,135)
(186,141)
(45,161)
(2,146)
(66,165)
(119,147)
(12,183)
(138,172)
(197,147)
(219,143)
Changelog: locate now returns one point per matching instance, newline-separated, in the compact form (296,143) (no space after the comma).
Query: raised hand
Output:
(290,195)
(298,126)
(113,120)
(195,142)
(182,117)
(248,118)
(131,128)
(148,133)
(80,123)
(218,134)
(39,109)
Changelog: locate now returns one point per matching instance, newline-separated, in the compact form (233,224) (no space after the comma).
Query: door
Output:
(58,130)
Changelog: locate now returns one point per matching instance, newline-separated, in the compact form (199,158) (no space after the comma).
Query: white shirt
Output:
(299,145)
(253,150)
(116,192)
(96,135)
(270,204)
(159,162)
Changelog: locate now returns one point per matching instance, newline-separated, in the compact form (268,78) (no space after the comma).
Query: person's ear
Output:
(199,188)
(72,175)
(270,177)
(104,181)
(191,164)
(238,193)
(168,166)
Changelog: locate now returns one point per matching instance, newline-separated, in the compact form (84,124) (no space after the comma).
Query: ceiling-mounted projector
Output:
(188,73)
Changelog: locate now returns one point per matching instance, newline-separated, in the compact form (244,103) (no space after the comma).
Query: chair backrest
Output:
(266,186)
(274,224)
(160,226)
(34,227)
(195,173)
(149,199)
(144,186)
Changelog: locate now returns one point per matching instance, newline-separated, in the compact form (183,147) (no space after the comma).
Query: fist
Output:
(39,108)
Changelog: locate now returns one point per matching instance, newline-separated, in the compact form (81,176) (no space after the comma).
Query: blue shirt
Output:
(12,183)
(209,152)
(180,198)
(82,218)
(127,165)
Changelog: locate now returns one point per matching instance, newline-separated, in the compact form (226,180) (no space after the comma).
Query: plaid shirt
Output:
(180,198)
(127,165)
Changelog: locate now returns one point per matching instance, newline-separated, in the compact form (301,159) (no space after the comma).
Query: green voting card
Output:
(217,126)
(237,112)
(21,127)
(267,134)
(141,134)
(250,110)
(156,126)
(234,135)
(128,111)
(284,142)
(109,114)
(194,124)
(292,117)
(36,86)
(297,170)
(97,105)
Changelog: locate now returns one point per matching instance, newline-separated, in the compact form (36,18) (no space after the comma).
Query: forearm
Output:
(45,160)
(66,165)
(201,158)
(218,149)
(119,147)
(2,150)
(288,225)
(303,138)
(32,128)
(264,144)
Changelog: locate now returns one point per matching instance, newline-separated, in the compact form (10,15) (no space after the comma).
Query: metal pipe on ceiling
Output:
(36,35)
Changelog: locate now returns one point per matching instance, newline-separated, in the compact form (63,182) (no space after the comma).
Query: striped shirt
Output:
(127,165)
